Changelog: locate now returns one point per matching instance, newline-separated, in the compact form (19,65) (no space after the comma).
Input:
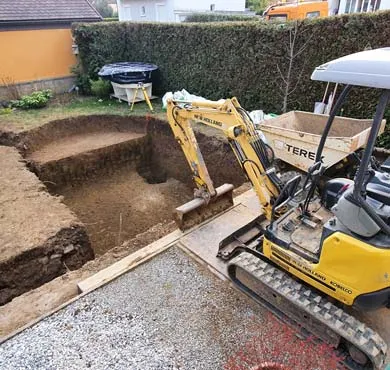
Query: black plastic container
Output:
(128,72)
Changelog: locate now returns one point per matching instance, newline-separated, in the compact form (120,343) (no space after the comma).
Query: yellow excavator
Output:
(306,256)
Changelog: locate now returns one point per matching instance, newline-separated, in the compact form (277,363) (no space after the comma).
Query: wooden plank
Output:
(115,270)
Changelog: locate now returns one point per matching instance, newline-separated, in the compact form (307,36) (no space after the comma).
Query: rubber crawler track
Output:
(316,306)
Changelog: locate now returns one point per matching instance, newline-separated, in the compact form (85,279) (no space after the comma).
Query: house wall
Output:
(172,10)
(155,10)
(204,5)
(33,55)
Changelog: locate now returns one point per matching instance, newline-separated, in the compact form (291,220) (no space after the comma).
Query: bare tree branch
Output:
(289,80)
(281,74)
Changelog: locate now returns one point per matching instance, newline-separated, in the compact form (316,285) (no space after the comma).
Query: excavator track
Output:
(296,303)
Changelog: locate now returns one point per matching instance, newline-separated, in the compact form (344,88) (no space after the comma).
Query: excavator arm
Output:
(250,150)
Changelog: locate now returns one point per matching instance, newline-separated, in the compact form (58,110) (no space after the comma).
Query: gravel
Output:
(169,313)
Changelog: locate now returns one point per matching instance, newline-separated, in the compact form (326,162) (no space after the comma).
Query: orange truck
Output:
(297,10)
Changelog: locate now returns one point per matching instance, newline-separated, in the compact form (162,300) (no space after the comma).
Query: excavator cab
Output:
(363,206)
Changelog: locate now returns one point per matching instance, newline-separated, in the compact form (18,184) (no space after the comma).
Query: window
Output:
(313,14)
(212,7)
(143,11)
(278,17)
(353,6)
(347,6)
(368,5)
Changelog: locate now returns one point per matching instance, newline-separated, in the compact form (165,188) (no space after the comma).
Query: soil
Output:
(120,175)
(118,207)
(219,157)
(76,144)
(40,301)
(40,238)
(35,139)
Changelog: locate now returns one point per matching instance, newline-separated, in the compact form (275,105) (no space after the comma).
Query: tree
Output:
(290,72)
(258,6)
(103,8)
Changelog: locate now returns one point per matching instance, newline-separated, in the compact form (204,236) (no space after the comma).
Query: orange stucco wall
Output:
(28,55)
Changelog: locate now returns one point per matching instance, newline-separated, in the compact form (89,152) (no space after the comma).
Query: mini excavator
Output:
(307,256)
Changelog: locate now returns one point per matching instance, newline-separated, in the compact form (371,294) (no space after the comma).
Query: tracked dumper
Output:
(312,251)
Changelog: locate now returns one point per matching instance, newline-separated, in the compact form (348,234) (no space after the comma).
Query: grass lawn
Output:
(67,105)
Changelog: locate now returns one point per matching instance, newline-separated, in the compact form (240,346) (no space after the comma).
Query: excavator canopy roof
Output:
(369,68)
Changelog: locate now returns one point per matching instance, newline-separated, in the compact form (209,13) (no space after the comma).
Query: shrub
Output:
(4,111)
(11,88)
(37,99)
(82,79)
(100,88)
(113,19)
(243,59)
(215,17)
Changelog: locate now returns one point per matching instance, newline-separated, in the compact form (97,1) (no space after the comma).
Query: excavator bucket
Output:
(198,210)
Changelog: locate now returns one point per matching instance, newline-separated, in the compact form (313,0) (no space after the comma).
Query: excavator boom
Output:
(247,145)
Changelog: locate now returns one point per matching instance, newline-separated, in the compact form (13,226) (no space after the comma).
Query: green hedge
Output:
(112,19)
(240,59)
(215,17)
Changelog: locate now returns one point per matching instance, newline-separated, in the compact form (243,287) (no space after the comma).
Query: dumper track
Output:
(291,300)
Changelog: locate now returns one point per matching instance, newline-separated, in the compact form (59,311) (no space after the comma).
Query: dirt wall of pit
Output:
(37,138)
(157,150)
(40,238)
(219,157)
(89,162)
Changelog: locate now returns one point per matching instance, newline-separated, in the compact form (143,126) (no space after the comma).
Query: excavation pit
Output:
(120,206)
(121,176)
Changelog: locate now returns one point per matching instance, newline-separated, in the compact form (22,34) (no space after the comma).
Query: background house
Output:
(357,6)
(36,42)
(173,10)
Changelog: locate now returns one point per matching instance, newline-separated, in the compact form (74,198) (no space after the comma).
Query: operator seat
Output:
(351,214)
(378,187)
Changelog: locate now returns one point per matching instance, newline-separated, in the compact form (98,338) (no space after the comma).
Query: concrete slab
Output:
(204,241)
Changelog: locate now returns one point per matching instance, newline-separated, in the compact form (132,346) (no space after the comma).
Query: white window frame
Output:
(157,6)
(126,8)
(143,11)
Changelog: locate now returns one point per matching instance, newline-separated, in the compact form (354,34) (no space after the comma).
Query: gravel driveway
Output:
(169,313)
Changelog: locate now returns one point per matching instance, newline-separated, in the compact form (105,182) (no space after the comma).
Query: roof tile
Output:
(50,10)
